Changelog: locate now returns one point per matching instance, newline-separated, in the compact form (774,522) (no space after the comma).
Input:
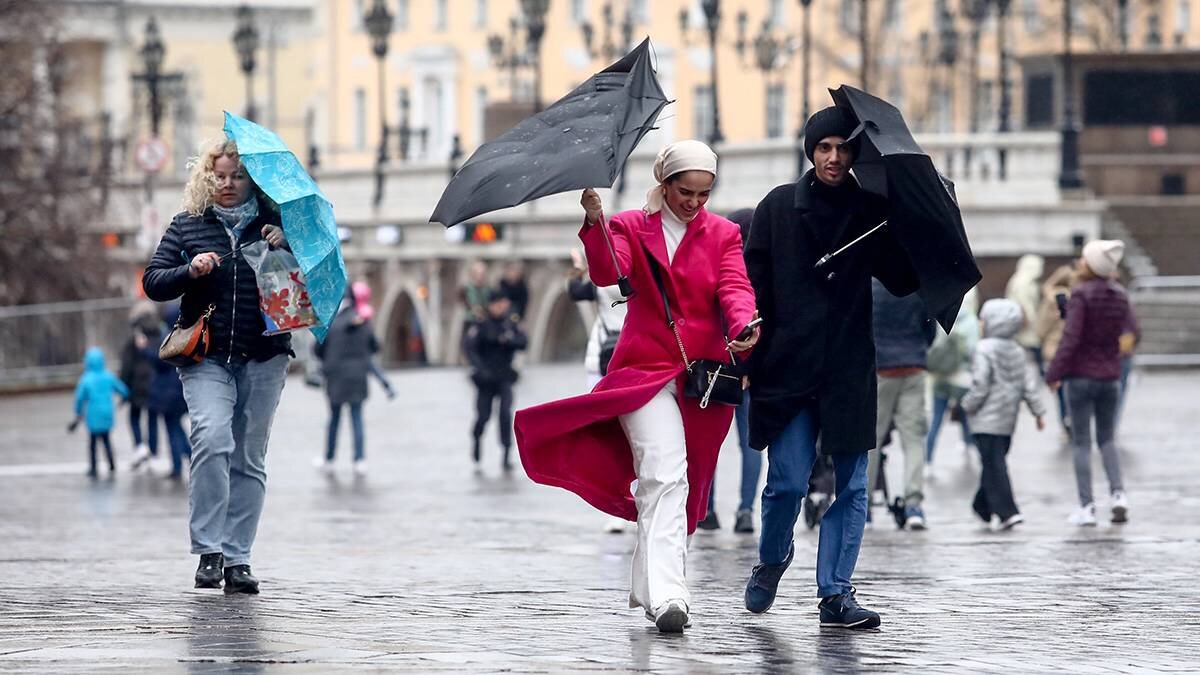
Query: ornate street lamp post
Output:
(864,29)
(535,28)
(712,21)
(610,50)
(245,42)
(379,27)
(1070,178)
(805,83)
(153,51)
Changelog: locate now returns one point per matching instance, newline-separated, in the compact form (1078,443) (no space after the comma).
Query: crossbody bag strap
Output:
(654,272)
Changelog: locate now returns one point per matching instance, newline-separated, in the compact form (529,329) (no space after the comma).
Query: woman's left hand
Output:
(274,236)
(739,346)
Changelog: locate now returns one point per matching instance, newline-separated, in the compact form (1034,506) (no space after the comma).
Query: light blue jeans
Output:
(231,407)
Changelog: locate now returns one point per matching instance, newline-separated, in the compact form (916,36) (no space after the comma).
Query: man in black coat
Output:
(813,372)
(491,345)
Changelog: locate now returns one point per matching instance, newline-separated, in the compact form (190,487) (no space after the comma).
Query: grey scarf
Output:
(236,218)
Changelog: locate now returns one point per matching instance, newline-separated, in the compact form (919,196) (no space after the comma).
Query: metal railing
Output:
(43,345)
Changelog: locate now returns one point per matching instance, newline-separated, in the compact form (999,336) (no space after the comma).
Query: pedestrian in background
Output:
(491,346)
(1051,320)
(346,358)
(515,288)
(1088,362)
(361,292)
(638,423)
(949,366)
(93,403)
(233,393)
(166,402)
(903,334)
(1025,289)
(138,358)
(610,318)
(1002,376)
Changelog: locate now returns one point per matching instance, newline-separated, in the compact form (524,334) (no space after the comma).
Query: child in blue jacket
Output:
(94,396)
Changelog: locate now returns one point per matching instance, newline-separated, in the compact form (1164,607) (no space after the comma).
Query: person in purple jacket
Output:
(1088,362)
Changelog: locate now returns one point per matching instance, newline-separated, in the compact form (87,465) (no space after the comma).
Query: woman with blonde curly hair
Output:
(232,394)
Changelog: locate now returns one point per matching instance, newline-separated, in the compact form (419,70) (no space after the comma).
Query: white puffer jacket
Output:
(1002,374)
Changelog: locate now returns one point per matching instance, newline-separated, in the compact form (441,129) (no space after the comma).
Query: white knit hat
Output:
(1103,255)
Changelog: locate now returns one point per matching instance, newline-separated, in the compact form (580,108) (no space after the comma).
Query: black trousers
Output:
(102,437)
(995,495)
(486,394)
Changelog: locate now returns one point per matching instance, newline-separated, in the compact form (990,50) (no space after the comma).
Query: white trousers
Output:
(655,433)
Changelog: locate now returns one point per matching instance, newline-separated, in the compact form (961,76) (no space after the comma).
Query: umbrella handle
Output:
(830,256)
(623,283)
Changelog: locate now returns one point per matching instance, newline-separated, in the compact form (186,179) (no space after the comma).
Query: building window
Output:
(1031,15)
(848,16)
(401,15)
(360,12)
(1153,31)
(435,117)
(481,104)
(775,110)
(481,13)
(578,11)
(891,14)
(439,15)
(702,119)
(641,12)
(360,119)
(985,111)
(1183,21)
(775,13)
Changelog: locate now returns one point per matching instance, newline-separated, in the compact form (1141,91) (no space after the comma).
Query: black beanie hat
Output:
(832,121)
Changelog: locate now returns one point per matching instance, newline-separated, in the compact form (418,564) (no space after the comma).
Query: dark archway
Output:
(403,337)
(566,335)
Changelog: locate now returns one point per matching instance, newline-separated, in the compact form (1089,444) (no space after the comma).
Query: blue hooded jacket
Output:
(95,390)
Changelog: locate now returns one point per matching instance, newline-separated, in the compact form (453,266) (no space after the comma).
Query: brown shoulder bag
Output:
(186,346)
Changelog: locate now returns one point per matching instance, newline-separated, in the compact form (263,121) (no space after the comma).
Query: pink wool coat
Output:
(577,443)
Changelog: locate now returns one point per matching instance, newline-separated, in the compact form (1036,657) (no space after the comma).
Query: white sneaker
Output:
(672,617)
(615,525)
(1084,516)
(877,498)
(360,467)
(1011,522)
(1120,507)
(323,464)
(140,454)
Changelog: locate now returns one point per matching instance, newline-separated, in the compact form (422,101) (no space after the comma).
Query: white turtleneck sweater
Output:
(673,231)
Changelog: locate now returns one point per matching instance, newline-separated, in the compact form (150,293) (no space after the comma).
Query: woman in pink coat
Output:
(636,424)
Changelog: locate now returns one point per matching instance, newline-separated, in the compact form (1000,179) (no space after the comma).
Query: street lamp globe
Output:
(245,38)
(379,27)
(153,50)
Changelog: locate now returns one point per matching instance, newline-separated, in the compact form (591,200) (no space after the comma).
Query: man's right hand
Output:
(203,265)
(591,206)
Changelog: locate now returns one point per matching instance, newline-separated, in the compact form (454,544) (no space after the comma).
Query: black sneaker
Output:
(842,611)
(710,522)
(764,581)
(208,574)
(239,580)
(745,522)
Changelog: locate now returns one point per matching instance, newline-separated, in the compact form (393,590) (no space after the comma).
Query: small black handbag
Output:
(708,380)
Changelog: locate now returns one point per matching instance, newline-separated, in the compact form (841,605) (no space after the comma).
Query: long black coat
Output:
(346,357)
(816,344)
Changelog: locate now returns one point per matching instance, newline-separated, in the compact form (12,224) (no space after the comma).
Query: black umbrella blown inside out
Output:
(580,141)
(923,212)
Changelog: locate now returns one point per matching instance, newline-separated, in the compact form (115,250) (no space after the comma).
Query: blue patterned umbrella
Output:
(306,213)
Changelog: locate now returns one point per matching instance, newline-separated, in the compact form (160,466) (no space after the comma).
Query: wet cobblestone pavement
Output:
(425,565)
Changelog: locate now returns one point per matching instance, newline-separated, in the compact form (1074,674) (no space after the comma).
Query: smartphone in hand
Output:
(748,330)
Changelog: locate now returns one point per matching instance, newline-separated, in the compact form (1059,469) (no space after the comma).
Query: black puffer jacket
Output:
(237,325)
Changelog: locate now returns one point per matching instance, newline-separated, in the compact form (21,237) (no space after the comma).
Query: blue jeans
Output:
(940,405)
(790,462)
(751,460)
(356,424)
(232,407)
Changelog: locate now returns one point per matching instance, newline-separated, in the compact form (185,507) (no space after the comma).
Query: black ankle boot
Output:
(507,464)
(208,574)
(238,579)
(475,454)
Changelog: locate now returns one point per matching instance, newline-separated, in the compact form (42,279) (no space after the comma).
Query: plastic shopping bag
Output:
(282,291)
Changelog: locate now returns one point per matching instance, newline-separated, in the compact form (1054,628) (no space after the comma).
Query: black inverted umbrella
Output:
(922,210)
(580,141)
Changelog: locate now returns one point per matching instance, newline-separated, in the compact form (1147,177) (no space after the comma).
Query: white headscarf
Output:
(675,158)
